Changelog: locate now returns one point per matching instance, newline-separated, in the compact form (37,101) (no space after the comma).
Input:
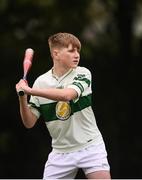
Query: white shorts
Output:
(65,165)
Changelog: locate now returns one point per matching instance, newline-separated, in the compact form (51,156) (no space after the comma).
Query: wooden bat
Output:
(27,63)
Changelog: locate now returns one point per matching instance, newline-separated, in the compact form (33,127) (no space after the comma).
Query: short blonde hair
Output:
(61,40)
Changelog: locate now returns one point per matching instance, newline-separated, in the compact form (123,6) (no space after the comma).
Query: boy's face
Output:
(68,56)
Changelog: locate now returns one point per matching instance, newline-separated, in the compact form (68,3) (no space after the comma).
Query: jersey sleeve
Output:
(82,83)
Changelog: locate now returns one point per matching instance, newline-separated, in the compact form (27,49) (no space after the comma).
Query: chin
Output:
(74,66)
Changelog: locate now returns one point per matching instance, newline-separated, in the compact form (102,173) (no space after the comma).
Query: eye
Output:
(71,50)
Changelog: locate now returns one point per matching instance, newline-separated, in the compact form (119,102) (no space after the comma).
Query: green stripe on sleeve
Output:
(79,85)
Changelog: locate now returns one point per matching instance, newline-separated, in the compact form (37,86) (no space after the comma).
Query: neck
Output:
(60,71)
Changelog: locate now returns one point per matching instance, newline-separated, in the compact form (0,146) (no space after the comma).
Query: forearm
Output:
(66,94)
(55,94)
(28,118)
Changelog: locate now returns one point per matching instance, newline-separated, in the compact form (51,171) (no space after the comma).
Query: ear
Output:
(55,53)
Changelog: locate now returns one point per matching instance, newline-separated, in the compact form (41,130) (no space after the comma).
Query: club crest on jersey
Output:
(63,110)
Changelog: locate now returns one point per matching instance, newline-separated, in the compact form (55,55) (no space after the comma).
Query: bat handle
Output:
(21,92)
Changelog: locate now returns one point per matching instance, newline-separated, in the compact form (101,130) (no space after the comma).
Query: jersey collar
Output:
(63,76)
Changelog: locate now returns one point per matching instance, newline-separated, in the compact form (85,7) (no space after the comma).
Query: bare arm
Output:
(66,94)
(28,118)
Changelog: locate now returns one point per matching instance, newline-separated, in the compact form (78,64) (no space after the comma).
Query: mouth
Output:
(75,61)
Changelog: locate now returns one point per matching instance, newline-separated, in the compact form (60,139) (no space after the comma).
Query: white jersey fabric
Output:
(72,125)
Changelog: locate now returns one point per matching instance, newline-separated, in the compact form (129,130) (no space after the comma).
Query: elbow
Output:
(28,126)
(28,120)
(67,97)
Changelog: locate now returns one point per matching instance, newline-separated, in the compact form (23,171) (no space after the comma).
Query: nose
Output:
(77,54)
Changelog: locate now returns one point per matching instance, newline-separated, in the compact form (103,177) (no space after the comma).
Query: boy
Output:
(63,97)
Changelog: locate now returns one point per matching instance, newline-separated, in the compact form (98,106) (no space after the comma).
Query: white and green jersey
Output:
(72,125)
